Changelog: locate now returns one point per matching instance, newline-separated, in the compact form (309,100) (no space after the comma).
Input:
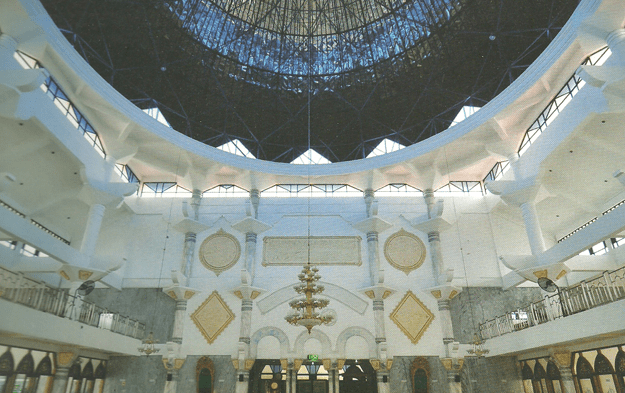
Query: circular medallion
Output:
(404,251)
(274,385)
(219,252)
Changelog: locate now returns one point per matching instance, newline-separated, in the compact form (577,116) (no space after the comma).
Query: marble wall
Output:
(475,305)
(225,375)
(499,374)
(131,374)
(147,305)
(146,374)
(401,380)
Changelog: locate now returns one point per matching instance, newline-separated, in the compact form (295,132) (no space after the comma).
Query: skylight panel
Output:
(399,190)
(236,147)
(386,146)
(226,191)
(156,113)
(465,112)
(310,157)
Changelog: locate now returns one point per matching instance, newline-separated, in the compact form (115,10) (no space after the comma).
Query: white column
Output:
(59,383)
(568,386)
(250,253)
(172,386)
(92,229)
(181,308)
(246,321)
(255,200)
(188,252)
(434,238)
(446,326)
(374,257)
(383,387)
(242,386)
(378,317)
(454,387)
(532,227)
(616,43)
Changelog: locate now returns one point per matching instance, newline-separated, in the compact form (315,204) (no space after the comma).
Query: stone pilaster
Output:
(251,227)
(250,252)
(243,381)
(188,252)
(246,321)
(63,362)
(562,359)
(181,295)
(378,315)
(434,238)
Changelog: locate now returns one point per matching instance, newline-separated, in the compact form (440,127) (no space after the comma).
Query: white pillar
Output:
(446,326)
(616,43)
(188,251)
(172,386)
(383,387)
(454,387)
(250,253)
(179,316)
(434,238)
(374,257)
(378,316)
(532,227)
(246,321)
(92,230)
(255,200)
(59,383)
(242,386)
(568,386)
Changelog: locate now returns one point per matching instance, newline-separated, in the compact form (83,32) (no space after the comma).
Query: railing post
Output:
(586,297)
(610,288)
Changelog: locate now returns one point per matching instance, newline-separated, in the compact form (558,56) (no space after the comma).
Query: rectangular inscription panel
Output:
(324,250)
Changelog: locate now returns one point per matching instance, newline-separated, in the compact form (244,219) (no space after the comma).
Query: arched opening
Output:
(23,379)
(585,375)
(205,374)
(528,377)
(6,368)
(87,378)
(605,374)
(554,379)
(73,380)
(357,376)
(420,375)
(100,376)
(267,376)
(540,378)
(44,375)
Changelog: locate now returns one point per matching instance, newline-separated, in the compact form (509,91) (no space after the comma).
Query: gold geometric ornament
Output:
(412,317)
(219,252)
(404,251)
(212,317)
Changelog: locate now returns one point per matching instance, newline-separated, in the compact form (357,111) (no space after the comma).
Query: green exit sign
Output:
(313,358)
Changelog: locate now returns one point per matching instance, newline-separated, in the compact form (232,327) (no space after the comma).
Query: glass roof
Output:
(322,37)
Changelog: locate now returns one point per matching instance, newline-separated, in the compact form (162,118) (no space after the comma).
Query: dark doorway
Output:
(357,376)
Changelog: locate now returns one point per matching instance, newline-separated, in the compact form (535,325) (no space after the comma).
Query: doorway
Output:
(357,376)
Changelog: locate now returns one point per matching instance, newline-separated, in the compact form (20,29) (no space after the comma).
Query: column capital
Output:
(65,359)
(372,224)
(251,225)
(444,293)
(180,293)
(562,358)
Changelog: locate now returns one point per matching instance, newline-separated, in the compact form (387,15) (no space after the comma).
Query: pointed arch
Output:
(75,371)
(26,365)
(526,372)
(87,371)
(583,368)
(603,365)
(100,371)
(6,362)
(539,371)
(553,373)
(45,366)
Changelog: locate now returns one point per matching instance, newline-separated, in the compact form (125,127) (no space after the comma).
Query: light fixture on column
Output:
(147,345)
(305,309)
(478,347)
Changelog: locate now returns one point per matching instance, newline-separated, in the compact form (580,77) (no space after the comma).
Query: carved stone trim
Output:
(204,363)
(323,250)
(404,251)
(219,252)
(420,363)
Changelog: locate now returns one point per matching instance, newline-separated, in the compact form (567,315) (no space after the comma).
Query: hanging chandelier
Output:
(304,311)
(147,345)
(478,347)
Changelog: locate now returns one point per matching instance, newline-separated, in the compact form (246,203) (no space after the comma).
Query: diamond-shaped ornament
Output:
(412,317)
(212,317)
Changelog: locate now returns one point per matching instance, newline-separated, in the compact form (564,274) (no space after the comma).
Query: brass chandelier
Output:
(304,311)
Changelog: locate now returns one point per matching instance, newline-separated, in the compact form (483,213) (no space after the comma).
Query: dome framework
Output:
(223,70)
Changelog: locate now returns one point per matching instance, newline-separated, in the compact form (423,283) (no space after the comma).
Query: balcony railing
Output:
(603,289)
(17,288)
